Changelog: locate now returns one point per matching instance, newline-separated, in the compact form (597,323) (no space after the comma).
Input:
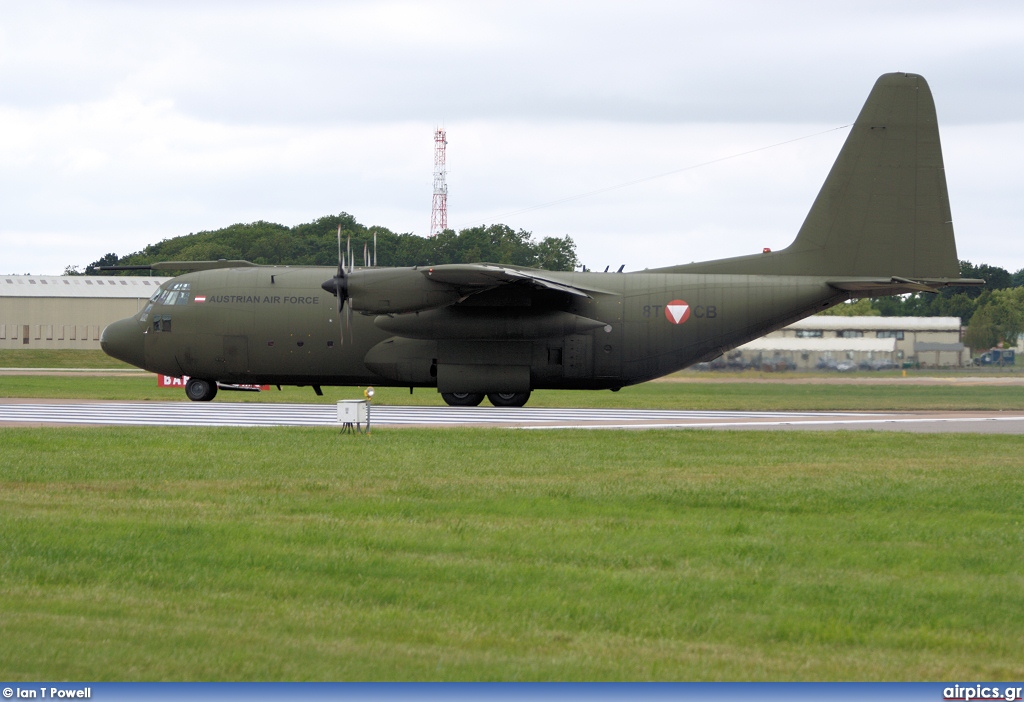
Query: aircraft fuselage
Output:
(275,325)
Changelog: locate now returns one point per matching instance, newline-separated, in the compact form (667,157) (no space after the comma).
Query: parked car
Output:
(996,357)
(877,364)
(777,364)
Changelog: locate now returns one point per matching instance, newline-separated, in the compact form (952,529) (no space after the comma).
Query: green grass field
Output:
(733,391)
(59,358)
(737,395)
(304,554)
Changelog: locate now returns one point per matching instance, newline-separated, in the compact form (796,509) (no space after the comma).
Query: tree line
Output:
(316,244)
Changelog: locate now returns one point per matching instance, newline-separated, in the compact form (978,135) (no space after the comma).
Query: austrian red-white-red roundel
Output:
(677,311)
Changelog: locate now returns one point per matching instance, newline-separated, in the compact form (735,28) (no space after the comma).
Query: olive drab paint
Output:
(880,225)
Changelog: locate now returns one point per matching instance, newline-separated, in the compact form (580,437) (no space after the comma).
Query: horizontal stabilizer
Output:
(880,287)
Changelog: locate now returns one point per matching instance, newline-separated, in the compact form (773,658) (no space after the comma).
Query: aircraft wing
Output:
(181,266)
(400,290)
(477,277)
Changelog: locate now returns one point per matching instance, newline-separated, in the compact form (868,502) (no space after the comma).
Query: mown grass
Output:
(304,554)
(59,358)
(737,395)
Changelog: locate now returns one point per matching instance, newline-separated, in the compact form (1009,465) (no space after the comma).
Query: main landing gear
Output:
(498,399)
(462,399)
(508,399)
(200,390)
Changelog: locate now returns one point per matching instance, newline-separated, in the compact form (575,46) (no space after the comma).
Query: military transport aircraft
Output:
(881,225)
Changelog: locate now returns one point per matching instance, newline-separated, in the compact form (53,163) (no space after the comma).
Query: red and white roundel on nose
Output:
(677,311)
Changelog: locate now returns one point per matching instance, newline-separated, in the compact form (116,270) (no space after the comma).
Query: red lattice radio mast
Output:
(439,211)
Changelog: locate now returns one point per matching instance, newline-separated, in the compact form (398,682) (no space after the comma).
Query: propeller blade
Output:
(338,285)
(341,326)
(339,250)
(348,317)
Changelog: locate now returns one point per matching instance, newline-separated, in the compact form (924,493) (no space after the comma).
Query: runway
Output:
(241,414)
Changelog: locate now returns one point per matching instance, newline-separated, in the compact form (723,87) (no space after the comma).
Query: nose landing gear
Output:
(199,390)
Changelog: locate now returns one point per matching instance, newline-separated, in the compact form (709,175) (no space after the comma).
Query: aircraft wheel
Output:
(463,399)
(200,390)
(508,399)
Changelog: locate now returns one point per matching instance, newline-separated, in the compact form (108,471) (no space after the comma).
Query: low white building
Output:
(819,340)
(67,312)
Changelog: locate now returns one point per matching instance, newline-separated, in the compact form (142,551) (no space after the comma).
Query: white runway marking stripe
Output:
(239,414)
(254,415)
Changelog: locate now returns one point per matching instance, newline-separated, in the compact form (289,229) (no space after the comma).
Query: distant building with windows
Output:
(823,340)
(67,312)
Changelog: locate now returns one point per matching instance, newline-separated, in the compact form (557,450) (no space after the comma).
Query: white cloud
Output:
(125,123)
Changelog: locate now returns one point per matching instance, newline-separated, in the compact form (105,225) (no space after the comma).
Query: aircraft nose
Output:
(123,341)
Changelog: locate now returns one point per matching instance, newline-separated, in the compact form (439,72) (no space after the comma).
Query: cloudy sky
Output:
(651,132)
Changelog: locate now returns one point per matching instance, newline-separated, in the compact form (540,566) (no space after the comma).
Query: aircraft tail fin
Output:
(884,208)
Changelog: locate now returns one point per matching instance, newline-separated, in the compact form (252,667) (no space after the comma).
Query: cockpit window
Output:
(174,294)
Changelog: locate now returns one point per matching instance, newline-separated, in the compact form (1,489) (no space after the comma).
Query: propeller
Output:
(338,285)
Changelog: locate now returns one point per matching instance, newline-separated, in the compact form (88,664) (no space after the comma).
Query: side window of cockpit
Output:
(161,323)
(167,323)
(176,294)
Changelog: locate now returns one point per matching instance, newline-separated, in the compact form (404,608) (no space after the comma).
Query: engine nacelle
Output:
(397,290)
